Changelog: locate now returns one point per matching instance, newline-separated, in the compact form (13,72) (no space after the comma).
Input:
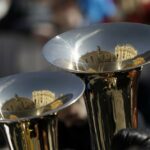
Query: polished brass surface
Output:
(22,111)
(111,104)
(109,58)
(108,47)
(26,127)
(34,134)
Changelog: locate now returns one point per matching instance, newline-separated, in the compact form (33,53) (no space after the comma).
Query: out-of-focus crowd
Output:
(46,18)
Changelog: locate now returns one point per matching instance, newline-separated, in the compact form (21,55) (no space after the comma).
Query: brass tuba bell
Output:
(26,126)
(109,58)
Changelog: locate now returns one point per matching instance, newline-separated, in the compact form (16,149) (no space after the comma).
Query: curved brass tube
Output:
(111,104)
(34,134)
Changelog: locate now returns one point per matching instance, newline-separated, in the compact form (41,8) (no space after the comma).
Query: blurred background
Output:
(26,25)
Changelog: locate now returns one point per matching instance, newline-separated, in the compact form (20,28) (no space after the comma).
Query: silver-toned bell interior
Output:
(103,48)
(29,104)
(36,94)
